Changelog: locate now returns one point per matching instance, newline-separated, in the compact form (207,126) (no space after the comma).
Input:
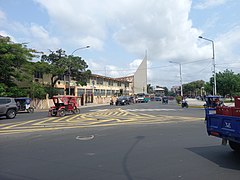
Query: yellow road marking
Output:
(7,124)
(96,119)
(48,119)
(19,124)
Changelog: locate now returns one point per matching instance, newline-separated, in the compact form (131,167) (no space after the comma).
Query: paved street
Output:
(141,141)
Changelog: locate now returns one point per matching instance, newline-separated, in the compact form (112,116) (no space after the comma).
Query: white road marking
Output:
(85,138)
(136,110)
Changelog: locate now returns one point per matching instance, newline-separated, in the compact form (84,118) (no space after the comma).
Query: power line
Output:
(154,67)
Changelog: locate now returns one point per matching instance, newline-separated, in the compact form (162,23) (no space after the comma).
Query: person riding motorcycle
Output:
(184,103)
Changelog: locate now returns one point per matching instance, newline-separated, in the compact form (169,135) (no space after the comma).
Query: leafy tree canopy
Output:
(58,64)
(192,87)
(14,58)
(228,83)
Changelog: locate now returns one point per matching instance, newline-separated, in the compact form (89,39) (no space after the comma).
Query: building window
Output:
(99,81)
(38,74)
(80,92)
(102,92)
(109,92)
(110,82)
(89,91)
(97,92)
(119,84)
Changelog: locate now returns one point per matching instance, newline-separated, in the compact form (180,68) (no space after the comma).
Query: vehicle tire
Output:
(76,111)
(52,113)
(235,146)
(11,113)
(61,113)
(30,110)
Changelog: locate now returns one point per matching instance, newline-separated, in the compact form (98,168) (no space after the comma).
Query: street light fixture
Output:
(214,65)
(180,66)
(69,72)
(79,49)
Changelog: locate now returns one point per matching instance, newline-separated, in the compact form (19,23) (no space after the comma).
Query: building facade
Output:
(99,86)
(140,78)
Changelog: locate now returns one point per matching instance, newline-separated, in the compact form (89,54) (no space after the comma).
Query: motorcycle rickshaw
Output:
(165,100)
(213,101)
(23,104)
(63,105)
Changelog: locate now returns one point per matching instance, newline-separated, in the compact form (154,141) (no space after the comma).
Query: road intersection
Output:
(96,118)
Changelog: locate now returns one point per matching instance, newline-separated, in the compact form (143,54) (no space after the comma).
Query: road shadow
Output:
(223,156)
(126,156)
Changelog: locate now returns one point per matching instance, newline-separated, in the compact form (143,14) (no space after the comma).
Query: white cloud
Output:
(135,64)
(209,4)
(42,38)
(36,35)
(161,27)
(2,16)
(226,47)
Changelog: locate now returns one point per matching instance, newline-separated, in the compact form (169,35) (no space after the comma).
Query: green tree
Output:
(78,70)
(37,91)
(228,83)
(208,87)
(54,64)
(3,89)
(14,58)
(58,64)
(193,87)
(166,92)
(15,91)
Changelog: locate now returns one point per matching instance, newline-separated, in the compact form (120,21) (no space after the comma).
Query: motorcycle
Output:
(184,104)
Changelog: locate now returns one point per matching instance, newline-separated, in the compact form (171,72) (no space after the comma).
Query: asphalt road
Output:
(137,142)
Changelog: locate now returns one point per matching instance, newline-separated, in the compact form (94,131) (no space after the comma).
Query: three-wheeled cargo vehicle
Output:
(213,101)
(63,105)
(224,122)
(23,104)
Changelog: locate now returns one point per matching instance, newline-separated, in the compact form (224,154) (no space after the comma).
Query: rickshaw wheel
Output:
(61,113)
(52,113)
(76,110)
(30,110)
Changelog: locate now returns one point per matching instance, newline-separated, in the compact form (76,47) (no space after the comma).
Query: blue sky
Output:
(120,32)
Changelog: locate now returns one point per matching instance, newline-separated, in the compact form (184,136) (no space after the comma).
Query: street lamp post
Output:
(214,65)
(69,72)
(202,91)
(85,47)
(180,67)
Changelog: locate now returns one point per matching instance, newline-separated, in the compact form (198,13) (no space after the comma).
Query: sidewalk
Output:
(195,102)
